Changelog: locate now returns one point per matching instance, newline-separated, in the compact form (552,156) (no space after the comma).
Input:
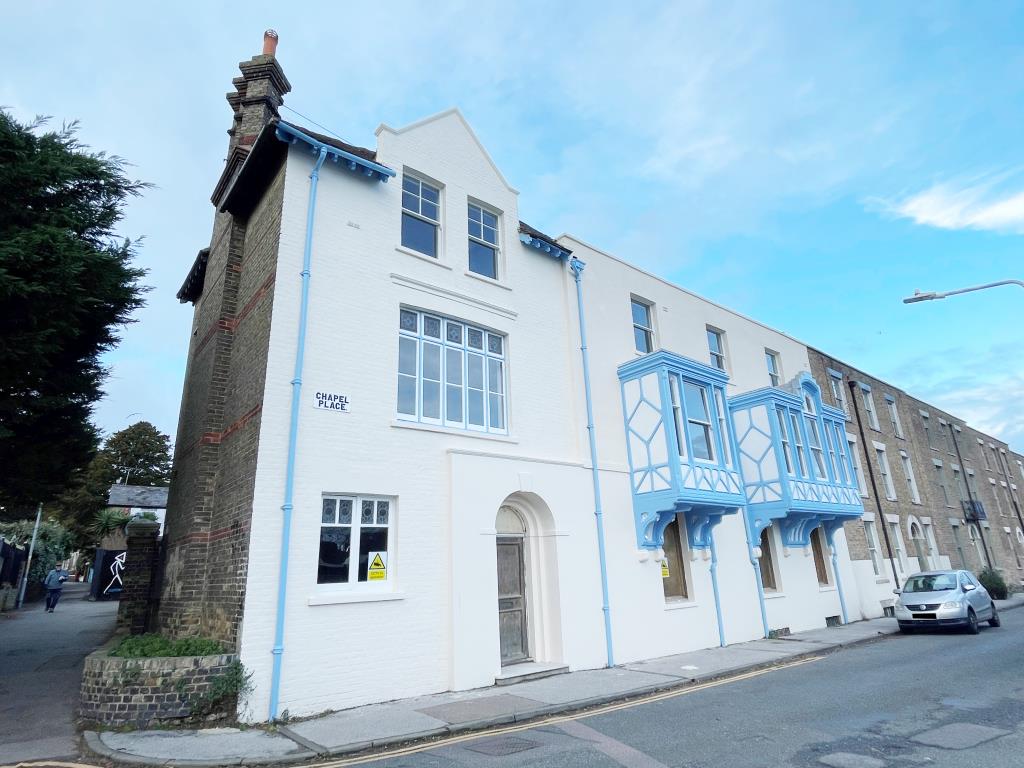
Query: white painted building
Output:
(442,440)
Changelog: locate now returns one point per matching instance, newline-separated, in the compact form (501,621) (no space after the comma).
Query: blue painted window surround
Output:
(483,242)
(421,215)
(680,446)
(450,374)
(796,461)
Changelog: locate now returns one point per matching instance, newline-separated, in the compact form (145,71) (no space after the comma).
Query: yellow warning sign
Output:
(664,570)
(377,570)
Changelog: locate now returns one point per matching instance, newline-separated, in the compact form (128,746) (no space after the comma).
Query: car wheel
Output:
(972,622)
(994,621)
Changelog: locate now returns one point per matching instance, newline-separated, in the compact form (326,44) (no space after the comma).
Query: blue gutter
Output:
(839,581)
(577,268)
(714,587)
(293,435)
(290,134)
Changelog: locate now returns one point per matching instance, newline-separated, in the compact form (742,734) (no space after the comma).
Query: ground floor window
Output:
(767,562)
(674,577)
(355,539)
(872,539)
(818,550)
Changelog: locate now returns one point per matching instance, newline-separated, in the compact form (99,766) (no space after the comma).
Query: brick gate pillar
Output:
(139,571)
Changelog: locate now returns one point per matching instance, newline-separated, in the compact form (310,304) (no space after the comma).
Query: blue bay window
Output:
(680,447)
(795,461)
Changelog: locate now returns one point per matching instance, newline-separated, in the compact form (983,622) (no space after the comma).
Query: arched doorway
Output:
(529,611)
(513,619)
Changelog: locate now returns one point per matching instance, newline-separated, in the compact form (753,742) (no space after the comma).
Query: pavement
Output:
(41,657)
(377,726)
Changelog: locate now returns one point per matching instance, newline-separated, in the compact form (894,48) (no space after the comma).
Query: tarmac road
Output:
(40,671)
(928,699)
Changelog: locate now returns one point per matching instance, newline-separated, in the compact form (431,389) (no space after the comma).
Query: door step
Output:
(528,670)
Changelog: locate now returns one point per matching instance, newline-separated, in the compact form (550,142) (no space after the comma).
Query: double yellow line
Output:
(553,720)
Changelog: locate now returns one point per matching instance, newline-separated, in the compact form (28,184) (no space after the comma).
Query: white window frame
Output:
(858,469)
(1013,548)
(684,564)
(869,406)
(492,352)
(896,536)
(984,455)
(942,483)
(929,537)
(894,416)
(719,359)
(959,482)
(773,361)
(995,493)
(1009,496)
(871,535)
(648,329)
(835,379)
(947,436)
(908,470)
(481,240)
(420,180)
(885,470)
(927,421)
(355,527)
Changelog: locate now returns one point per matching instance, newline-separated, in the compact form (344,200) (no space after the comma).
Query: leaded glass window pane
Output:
(366,512)
(329,510)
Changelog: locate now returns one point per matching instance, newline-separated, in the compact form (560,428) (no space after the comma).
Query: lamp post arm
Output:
(944,294)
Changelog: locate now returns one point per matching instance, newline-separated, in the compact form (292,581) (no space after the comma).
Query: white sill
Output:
(336,598)
(430,259)
(399,424)
(826,588)
(881,580)
(488,280)
(769,595)
(678,604)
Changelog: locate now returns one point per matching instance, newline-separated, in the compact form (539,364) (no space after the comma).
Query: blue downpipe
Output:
(839,580)
(757,573)
(714,588)
(293,434)
(577,268)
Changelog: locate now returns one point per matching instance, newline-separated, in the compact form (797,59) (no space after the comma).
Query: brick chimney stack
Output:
(259,92)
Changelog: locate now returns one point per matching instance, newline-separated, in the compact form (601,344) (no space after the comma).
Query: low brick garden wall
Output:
(155,691)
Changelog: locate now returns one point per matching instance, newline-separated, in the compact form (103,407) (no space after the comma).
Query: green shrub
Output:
(150,646)
(993,581)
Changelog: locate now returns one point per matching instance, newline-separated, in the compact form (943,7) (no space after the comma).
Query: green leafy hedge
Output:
(993,581)
(150,646)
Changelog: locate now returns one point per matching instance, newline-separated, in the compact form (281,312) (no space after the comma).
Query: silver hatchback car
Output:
(944,599)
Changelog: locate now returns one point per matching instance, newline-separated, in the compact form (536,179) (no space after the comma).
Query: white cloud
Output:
(978,203)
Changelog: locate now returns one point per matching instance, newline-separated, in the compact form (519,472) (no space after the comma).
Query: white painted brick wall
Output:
(442,632)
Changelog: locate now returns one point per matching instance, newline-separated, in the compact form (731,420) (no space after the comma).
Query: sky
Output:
(807,164)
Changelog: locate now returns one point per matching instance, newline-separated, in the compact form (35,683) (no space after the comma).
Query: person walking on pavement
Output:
(54,583)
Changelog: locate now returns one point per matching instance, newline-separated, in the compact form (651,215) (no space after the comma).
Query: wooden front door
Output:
(512,601)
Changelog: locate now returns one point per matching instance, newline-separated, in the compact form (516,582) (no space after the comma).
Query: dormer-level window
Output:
(643,330)
(716,347)
(483,242)
(771,359)
(421,215)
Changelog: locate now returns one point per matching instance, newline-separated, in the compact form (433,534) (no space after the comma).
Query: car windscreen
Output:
(931,583)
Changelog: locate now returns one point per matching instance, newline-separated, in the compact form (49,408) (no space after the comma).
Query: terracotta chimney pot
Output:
(269,43)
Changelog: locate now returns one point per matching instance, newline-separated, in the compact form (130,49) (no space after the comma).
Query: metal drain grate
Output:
(505,745)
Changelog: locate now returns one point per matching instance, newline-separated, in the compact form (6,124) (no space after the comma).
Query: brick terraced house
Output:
(424,446)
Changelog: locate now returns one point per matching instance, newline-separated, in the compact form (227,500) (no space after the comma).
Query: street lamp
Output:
(932,295)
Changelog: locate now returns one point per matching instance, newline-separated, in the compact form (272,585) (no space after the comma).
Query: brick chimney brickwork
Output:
(211,494)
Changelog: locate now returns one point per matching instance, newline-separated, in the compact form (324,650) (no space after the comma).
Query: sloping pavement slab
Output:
(589,684)
(712,662)
(212,744)
(483,708)
(366,726)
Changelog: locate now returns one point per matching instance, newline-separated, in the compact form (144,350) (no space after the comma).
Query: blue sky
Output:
(808,164)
